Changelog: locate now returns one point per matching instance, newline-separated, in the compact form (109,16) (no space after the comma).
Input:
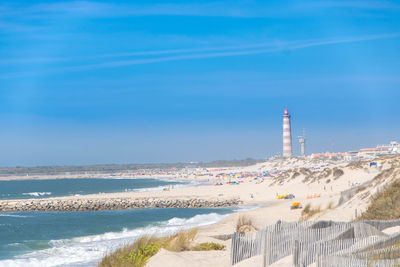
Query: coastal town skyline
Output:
(93,82)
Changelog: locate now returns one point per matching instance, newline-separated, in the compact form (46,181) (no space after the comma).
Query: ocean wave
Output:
(88,250)
(13,215)
(183,182)
(198,220)
(138,178)
(171,180)
(147,189)
(245,208)
(121,178)
(37,194)
(14,244)
(170,186)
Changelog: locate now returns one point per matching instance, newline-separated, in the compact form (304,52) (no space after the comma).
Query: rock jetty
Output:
(84,204)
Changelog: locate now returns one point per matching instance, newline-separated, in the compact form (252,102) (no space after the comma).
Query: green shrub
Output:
(208,246)
(140,257)
(138,253)
(135,255)
(306,209)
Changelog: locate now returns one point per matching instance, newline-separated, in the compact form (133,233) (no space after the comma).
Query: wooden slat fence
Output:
(306,253)
(311,242)
(340,261)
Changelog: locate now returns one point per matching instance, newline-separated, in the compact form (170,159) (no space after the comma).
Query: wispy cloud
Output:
(192,54)
(146,53)
(99,9)
(209,9)
(296,45)
(6,26)
(195,50)
(22,17)
(366,5)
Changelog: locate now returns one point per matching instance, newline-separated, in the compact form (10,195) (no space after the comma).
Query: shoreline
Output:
(86,176)
(48,194)
(319,187)
(94,245)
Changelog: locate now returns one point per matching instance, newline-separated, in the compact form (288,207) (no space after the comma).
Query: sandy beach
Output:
(325,195)
(318,183)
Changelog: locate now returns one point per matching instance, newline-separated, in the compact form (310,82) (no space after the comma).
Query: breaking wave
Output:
(13,215)
(37,194)
(89,250)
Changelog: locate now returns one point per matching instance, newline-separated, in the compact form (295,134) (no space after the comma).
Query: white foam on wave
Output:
(147,189)
(168,186)
(183,182)
(245,208)
(88,250)
(37,194)
(120,178)
(13,215)
(137,178)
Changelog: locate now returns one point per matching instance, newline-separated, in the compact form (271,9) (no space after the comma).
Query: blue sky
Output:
(87,82)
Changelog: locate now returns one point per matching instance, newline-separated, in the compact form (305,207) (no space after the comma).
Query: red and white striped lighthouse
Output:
(287,135)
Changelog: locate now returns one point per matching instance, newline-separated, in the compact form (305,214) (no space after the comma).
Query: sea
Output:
(81,186)
(83,238)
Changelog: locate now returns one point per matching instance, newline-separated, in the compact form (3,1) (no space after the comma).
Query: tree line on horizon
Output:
(113,168)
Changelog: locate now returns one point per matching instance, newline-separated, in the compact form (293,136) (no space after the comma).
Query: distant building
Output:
(329,155)
(352,155)
(394,147)
(372,152)
(380,150)
(365,153)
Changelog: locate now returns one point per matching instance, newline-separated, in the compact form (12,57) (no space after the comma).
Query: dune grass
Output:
(385,205)
(208,246)
(308,212)
(245,224)
(337,173)
(385,174)
(138,253)
(330,206)
(135,255)
(181,241)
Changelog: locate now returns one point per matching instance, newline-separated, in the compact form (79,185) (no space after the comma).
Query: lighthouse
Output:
(287,135)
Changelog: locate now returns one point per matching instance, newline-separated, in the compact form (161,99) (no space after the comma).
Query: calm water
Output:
(83,238)
(70,187)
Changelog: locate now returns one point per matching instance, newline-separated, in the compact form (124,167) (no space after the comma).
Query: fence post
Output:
(233,249)
(265,250)
(296,255)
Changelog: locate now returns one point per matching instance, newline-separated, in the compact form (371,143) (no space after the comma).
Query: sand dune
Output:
(364,179)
